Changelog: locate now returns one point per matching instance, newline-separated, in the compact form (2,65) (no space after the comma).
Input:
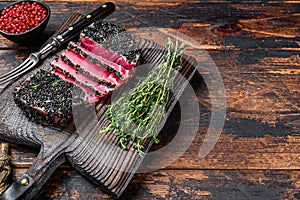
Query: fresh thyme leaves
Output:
(56,83)
(62,99)
(137,114)
(35,86)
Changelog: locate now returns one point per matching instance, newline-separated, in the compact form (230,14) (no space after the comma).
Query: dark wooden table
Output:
(255,46)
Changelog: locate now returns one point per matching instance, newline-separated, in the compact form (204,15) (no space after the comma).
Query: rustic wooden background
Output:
(255,46)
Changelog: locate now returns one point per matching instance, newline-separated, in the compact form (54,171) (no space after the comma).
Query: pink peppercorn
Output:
(22,17)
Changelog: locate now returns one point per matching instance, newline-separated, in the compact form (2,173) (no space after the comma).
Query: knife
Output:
(103,11)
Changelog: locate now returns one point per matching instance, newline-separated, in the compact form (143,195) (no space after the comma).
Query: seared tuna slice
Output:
(110,66)
(100,50)
(89,95)
(102,30)
(111,42)
(70,72)
(94,71)
(46,98)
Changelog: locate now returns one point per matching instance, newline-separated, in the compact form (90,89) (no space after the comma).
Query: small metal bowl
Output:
(32,33)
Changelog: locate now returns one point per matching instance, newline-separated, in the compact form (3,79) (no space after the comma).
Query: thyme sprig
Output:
(36,86)
(137,114)
(56,83)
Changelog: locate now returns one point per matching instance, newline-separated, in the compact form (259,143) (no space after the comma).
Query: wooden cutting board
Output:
(96,156)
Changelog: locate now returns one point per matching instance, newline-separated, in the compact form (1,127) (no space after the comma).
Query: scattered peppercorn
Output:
(22,17)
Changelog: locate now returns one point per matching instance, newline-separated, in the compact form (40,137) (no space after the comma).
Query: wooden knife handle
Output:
(73,30)
(103,11)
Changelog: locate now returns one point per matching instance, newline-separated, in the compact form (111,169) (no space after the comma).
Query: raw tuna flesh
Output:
(112,42)
(85,81)
(96,72)
(98,49)
(110,66)
(89,96)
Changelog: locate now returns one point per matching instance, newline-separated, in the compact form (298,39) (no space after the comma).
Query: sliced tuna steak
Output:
(89,96)
(105,57)
(111,42)
(94,71)
(69,71)
(101,61)
(98,49)
(42,100)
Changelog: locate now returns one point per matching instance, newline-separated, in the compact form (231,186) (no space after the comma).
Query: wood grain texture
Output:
(255,46)
(182,184)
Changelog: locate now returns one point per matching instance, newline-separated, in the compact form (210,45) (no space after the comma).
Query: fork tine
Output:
(24,67)
(15,70)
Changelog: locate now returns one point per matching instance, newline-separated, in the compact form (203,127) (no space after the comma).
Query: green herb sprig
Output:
(36,86)
(137,114)
(56,83)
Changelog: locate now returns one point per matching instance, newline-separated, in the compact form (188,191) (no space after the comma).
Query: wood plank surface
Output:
(255,46)
(182,184)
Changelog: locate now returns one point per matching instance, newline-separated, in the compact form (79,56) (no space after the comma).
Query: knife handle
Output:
(102,12)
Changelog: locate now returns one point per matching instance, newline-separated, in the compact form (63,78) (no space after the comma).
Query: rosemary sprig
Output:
(137,114)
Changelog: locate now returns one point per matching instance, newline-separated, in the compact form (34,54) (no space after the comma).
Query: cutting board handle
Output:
(29,184)
(51,156)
